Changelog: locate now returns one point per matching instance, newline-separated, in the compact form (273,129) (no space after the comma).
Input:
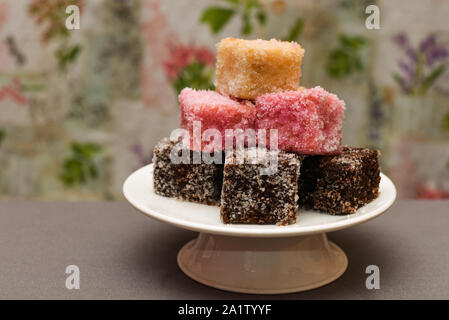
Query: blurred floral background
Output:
(81,109)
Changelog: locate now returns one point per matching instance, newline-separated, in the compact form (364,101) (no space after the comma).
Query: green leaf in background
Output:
(352,42)
(346,59)
(338,64)
(235,2)
(195,75)
(249,5)
(93,171)
(247,26)
(80,166)
(295,30)
(216,17)
(73,172)
(250,11)
(67,55)
(261,17)
(2,136)
(87,150)
(445,122)
(33,87)
(398,79)
(431,78)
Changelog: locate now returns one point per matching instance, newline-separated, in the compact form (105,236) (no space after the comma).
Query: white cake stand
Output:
(262,259)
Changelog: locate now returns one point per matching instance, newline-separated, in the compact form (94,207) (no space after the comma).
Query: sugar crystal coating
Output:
(257,84)
(249,197)
(308,121)
(191,182)
(340,184)
(213,111)
(247,69)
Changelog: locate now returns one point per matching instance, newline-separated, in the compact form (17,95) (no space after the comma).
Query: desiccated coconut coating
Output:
(191,182)
(308,121)
(339,184)
(247,69)
(214,111)
(249,197)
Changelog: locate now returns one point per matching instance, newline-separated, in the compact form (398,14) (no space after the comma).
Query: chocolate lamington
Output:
(339,184)
(186,181)
(259,189)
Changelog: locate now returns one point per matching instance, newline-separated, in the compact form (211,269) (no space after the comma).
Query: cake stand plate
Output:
(262,259)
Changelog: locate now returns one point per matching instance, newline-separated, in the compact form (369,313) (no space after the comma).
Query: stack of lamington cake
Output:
(260,146)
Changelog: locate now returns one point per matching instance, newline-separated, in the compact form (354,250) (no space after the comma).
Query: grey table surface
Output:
(122,254)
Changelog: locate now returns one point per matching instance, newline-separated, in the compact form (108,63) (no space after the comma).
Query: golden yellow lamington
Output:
(247,69)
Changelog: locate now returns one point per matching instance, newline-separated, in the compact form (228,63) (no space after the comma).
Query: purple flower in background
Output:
(143,160)
(432,51)
(402,41)
(406,68)
(427,43)
(409,73)
(436,55)
(421,67)
(376,114)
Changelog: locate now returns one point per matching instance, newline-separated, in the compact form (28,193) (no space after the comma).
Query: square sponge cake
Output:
(208,110)
(188,181)
(308,121)
(340,184)
(247,69)
(248,196)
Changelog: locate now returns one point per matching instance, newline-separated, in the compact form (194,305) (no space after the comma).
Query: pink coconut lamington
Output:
(214,111)
(308,121)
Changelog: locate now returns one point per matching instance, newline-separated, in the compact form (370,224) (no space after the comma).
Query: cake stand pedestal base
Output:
(262,265)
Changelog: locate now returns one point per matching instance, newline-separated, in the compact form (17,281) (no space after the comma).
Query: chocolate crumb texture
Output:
(199,183)
(248,197)
(339,184)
